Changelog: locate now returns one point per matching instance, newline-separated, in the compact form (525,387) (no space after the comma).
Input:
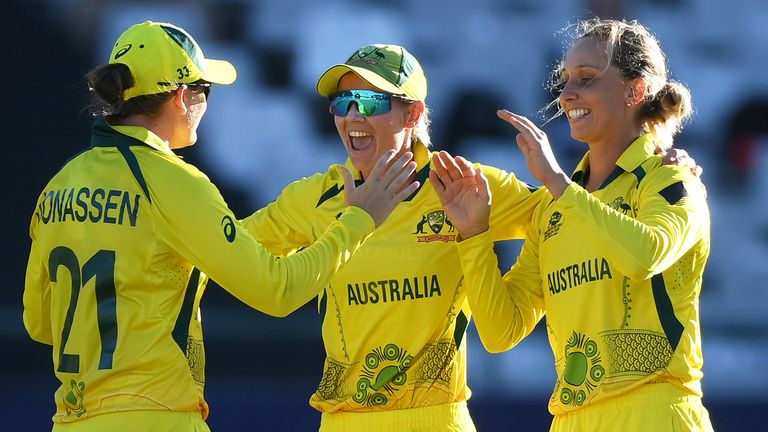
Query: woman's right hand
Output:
(534,144)
(463,191)
(388,184)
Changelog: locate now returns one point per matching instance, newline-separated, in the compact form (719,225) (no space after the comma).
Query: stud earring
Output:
(629,104)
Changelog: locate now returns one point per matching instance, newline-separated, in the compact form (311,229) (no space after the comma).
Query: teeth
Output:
(576,113)
(357,134)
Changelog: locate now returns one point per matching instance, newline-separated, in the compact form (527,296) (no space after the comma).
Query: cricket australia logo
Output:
(555,221)
(436,221)
(620,206)
(370,55)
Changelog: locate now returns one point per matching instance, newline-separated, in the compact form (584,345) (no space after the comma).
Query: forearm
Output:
(279,286)
(502,319)
(638,247)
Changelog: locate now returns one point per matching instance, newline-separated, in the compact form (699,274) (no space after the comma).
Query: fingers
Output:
(438,166)
(349,181)
(483,187)
(436,182)
(680,157)
(401,194)
(397,172)
(449,168)
(466,167)
(383,163)
(521,123)
(387,185)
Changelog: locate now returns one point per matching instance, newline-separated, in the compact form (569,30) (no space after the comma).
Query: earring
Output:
(629,104)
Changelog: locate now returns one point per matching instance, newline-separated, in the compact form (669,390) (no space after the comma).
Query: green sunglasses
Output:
(369,103)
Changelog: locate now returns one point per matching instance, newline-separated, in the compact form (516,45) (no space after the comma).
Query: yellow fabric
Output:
(652,407)
(138,421)
(396,313)
(162,56)
(118,266)
(453,417)
(618,273)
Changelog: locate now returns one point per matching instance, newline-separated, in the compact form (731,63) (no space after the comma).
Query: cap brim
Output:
(328,83)
(219,72)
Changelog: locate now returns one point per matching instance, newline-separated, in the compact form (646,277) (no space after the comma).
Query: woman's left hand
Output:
(680,157)
(463,191)
(534,144)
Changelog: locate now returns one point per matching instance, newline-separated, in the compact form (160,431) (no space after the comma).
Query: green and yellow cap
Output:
(162,57)
(388,67)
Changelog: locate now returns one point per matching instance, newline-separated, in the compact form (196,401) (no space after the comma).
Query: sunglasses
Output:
(369,103)
(205,88)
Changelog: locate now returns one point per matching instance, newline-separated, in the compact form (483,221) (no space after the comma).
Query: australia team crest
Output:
(437,222)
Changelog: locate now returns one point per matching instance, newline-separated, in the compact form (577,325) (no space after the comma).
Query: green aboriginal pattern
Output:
(73,400)
(636,353)
(196,360)
(437,362)
(384,372)
(626,299)
(330,384)
(583,370)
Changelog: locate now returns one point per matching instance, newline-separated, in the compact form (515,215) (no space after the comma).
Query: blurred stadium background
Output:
(271,128)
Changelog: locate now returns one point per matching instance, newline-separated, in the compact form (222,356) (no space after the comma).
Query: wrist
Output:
(471,232)
(557,183)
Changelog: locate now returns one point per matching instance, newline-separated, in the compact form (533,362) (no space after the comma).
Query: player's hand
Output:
(680,157)
(463,191)
(387,186)
(534,144)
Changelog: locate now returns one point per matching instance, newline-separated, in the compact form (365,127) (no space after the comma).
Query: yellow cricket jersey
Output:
(618,273)
(124,238)
(396,313)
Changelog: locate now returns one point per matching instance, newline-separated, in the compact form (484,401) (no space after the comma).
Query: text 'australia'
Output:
(392,290)
(577,274)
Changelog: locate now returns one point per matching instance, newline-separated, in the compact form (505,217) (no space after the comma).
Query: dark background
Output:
(261,370)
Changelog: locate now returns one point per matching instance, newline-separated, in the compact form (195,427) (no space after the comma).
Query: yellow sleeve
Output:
(37,295)
(506,309)
(196,222)
(671,216)
(513,203)
(283,225)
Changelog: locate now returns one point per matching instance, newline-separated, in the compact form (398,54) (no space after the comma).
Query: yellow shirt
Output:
(396,313)
(618,273)
(124,238)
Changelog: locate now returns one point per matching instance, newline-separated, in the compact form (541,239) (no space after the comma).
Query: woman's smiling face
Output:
(594,97)
(368,138)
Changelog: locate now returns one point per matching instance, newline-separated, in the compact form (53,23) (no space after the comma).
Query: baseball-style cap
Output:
(388,67)
(162,56)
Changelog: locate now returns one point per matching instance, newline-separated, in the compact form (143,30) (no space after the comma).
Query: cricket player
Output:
(126,235)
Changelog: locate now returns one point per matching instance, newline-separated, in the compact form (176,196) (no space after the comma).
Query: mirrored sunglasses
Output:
(369,103)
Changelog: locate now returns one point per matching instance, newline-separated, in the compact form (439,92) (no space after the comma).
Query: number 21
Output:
(101,266)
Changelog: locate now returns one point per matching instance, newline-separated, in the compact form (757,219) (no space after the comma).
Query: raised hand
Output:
(389,183)
(680,157)
(534,144)
(463,191)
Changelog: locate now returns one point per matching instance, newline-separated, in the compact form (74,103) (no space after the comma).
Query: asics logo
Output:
(229,228)
(123,51)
